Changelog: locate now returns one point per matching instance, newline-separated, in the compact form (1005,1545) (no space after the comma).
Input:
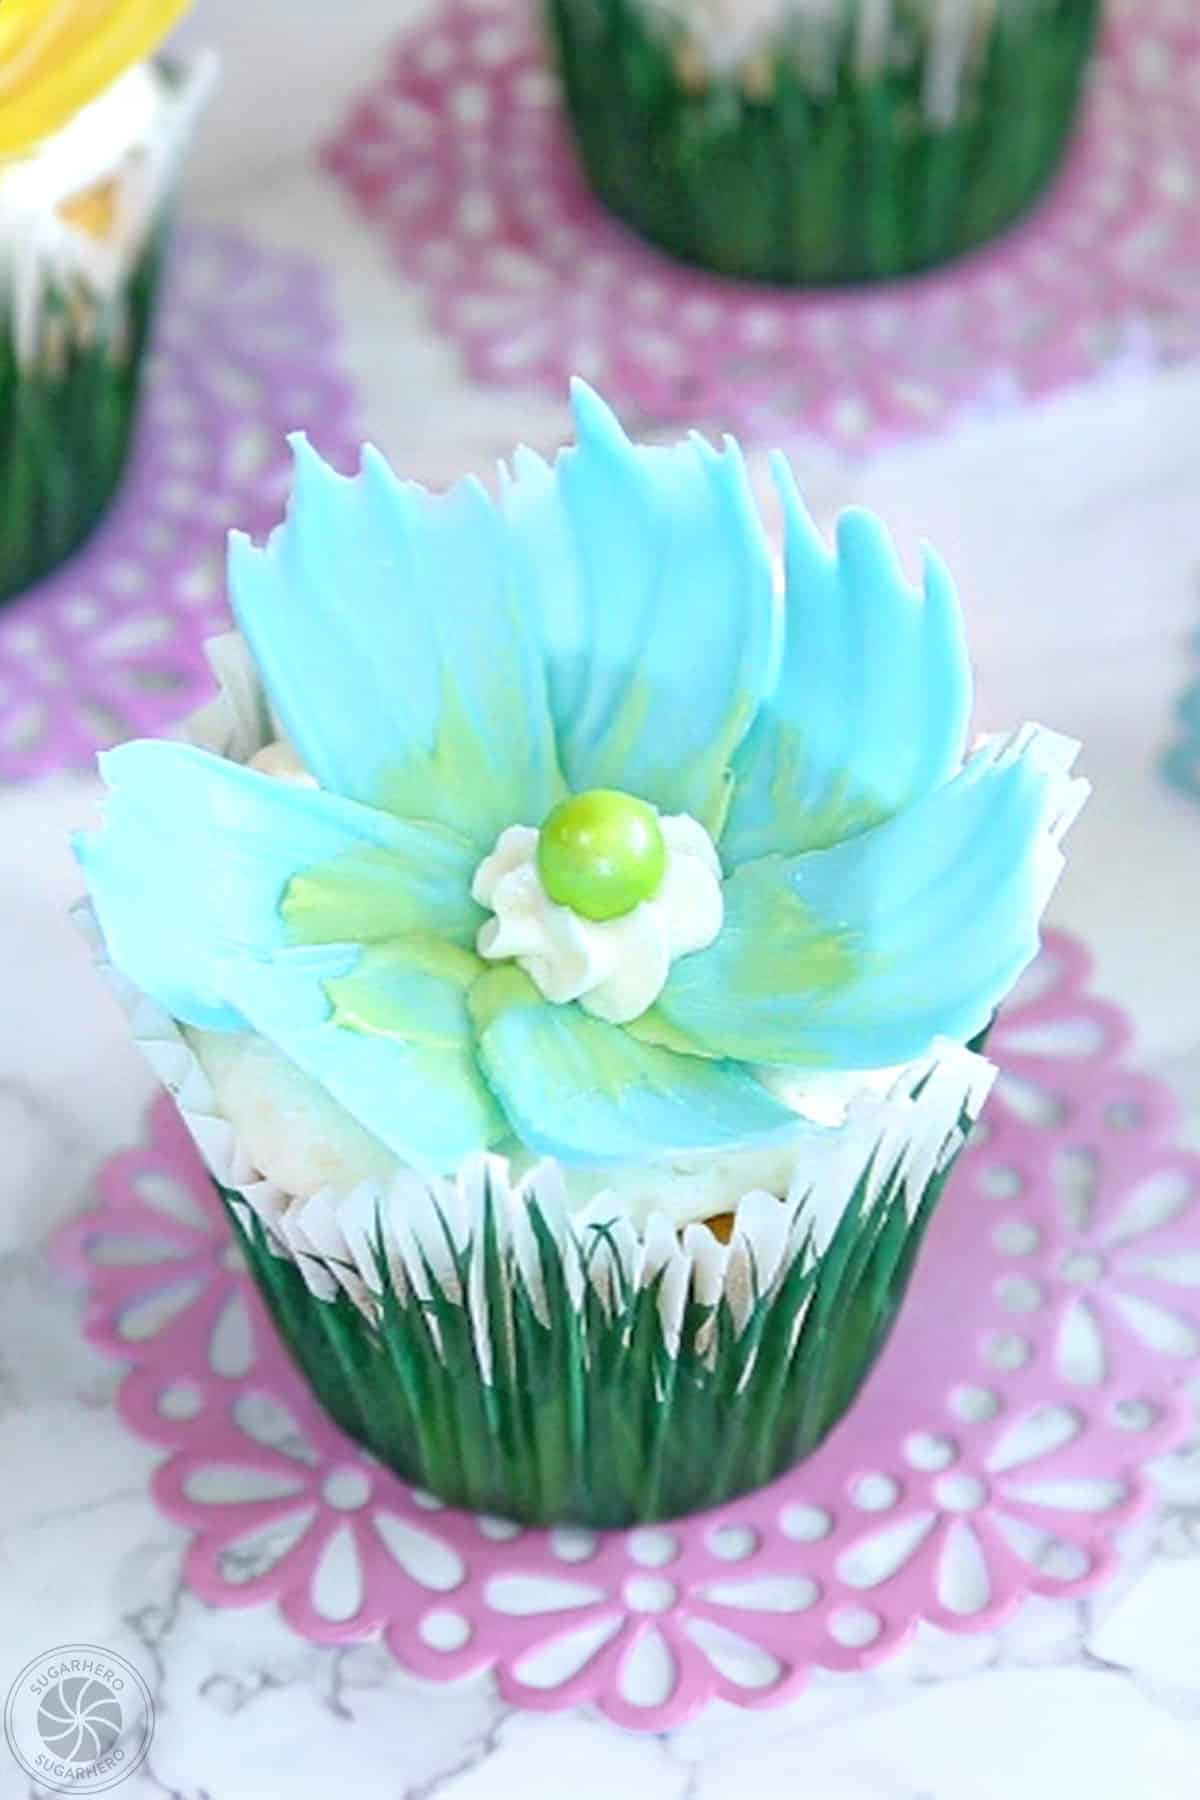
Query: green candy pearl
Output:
(601,853)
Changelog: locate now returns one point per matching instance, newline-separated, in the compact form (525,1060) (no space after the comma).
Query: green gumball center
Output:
(601,853)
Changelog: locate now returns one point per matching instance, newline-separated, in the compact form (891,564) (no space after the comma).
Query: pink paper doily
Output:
(110,645)
(461,157)
(997,1448)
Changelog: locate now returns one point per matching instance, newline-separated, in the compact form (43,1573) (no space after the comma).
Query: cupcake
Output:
(90,142)
(821,140)
(572,956)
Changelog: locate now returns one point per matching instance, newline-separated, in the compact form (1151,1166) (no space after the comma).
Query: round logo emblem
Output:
(79,1719)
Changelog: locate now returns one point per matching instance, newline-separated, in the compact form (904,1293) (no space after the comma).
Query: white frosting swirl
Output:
(615,968)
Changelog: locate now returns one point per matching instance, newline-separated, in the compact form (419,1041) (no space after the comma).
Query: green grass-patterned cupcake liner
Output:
(859,139)
(552,1390)
(66,418)
(75,320)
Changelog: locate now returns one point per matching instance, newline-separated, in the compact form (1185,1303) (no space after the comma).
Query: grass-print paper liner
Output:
(555,1366)
(511,1354)
(583,1371)
(840,141)
(77,299)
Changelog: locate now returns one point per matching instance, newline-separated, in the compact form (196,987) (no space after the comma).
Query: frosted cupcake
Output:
(821,140)
(567,952)
(90,141)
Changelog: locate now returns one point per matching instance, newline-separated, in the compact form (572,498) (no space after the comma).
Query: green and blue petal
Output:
(448,667)
(590,1093)
(860,955)
(650,577)
(874,694)
(394,647)
(387,1034)
(200,858)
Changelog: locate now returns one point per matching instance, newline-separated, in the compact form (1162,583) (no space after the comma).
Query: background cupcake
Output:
(90,142)
(574,1009)
(821,140)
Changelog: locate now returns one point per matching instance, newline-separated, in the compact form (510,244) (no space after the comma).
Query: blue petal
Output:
(196,854)
(859,956)
(652,580)
(386,626)
(415,1086)
(586,1092)
(872,703)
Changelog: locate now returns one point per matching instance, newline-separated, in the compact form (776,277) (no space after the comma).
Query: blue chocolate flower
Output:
(450,666)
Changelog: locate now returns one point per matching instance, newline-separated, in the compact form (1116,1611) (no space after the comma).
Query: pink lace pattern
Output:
(111,644)
(994,1453)
(460,157)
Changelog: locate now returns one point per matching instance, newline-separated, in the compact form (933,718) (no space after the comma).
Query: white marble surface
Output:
(1075,535)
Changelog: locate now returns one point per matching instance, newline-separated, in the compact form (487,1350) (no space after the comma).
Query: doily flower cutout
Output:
(994,1453)
(111,644)
(461,157)
(168,1290)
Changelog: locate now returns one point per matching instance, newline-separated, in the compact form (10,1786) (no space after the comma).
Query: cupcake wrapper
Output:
(556,1367)
(75,313)
(592,1377)
(864,139)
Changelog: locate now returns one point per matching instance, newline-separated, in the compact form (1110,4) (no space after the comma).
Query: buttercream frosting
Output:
(297,1136)
(614,968)
(81,206)
(87,150)
(724,37)
(278,758)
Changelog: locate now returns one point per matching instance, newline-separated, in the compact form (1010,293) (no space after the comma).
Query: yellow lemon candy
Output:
(56,55)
